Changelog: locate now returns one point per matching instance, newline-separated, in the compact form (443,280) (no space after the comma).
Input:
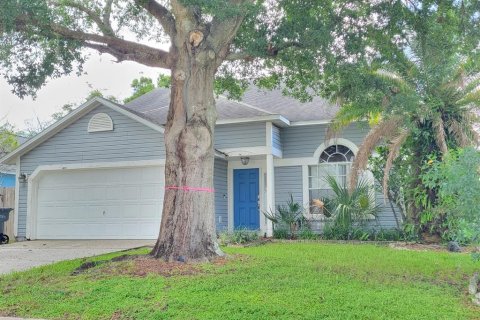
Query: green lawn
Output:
(275,281)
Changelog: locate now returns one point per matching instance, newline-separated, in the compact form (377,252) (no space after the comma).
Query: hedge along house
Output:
(99,172)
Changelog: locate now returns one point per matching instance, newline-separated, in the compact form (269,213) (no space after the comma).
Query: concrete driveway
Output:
(24,255)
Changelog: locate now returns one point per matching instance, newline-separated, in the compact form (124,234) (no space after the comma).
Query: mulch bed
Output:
(428,247)
(143,265)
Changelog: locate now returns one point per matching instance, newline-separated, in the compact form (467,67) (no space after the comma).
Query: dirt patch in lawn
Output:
(427,247)
(143,265)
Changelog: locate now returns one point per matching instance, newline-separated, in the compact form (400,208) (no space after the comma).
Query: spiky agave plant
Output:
(351,205)
(289,214)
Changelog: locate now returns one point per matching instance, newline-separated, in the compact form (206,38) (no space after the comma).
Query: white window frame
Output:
(321,167)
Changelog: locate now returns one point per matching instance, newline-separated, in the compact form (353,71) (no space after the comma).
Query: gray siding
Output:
(130,140)
(385,218)
(221,192)
(240,135)
(302,141)
(276,139)
(288,181)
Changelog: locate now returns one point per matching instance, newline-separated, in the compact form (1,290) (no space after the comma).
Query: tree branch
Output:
(119,48)
(103,24)
(223,31)
(163,16)
(107,12)
(139,57)
(240,55)
(270,51)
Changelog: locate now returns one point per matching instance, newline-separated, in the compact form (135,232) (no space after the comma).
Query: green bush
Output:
(238,236)
(456,180)
(287,217)
(336,232)
(349,207)
(281,233)
(305,233)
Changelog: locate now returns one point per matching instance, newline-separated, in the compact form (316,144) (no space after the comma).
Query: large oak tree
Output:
(293,43)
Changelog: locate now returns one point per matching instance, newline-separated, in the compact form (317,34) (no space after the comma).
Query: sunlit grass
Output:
(275,281)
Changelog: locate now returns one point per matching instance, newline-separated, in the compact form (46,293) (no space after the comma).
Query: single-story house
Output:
(99,172)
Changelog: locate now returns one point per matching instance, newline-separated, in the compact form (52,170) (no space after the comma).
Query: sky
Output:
(101,72)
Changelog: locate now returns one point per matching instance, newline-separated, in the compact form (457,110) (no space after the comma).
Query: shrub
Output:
(281,233)
(336,232)
(351,206)
(305,233)
(288,217)
(238,236)
(457,181)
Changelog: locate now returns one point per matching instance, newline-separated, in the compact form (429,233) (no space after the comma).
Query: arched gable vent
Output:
(100,122)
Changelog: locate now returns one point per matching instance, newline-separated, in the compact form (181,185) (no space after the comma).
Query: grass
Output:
(274,281)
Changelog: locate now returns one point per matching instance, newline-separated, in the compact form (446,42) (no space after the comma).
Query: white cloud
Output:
(101,73)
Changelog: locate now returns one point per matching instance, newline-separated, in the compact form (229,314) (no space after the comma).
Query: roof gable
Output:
(68,120)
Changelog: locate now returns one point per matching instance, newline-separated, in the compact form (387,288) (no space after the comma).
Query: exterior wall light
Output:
(245,160)
(22,178)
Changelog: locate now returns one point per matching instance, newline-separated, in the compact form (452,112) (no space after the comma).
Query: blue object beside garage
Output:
(7,180)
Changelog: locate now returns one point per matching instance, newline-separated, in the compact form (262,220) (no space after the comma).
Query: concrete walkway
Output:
(20,256)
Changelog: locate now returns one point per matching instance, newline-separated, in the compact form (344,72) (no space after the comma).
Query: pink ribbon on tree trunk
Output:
(188,188)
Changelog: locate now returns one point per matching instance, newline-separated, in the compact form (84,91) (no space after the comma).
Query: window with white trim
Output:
(335,161)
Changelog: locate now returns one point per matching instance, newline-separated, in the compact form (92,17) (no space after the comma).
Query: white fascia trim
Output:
(306,193)
(33,183)
(277,153)
(288,162)
(220,155)
(17,199)
(96,165)
(131,115)
(309,122)
(279,120)
(269,134)
(248,151)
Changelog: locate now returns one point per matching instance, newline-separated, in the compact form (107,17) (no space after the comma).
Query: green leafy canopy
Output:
(303,45)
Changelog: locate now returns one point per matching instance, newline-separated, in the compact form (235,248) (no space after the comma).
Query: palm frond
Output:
(347,114)
(393,152)
(394,78)
(439,136)
(391,75)
(471,98)
(384,130)
(472,83)
(348,206)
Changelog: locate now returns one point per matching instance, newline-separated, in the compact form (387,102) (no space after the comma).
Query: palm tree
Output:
(427,101)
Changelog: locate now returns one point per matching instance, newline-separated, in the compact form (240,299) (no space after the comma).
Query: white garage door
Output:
(117,203)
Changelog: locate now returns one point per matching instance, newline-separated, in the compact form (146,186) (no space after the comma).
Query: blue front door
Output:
(245,198)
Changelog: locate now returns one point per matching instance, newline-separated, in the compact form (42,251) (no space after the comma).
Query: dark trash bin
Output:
(4,215)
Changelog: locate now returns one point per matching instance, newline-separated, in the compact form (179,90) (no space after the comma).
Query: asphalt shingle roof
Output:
(255,103)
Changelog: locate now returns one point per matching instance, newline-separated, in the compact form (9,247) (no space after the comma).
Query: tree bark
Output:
(187,231)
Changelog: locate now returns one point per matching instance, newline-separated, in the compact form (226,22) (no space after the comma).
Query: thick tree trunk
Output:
(187,231)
